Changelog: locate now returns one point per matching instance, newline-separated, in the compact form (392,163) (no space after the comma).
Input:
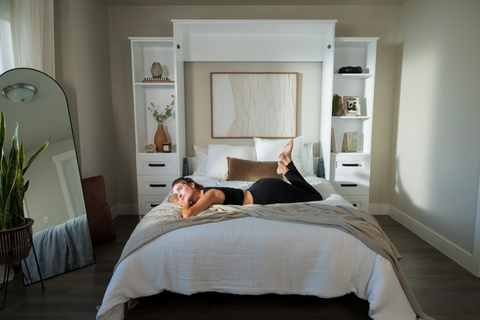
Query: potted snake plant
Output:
(15,229)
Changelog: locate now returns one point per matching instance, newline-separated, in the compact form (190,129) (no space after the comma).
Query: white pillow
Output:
(202,155)
(308,159)
(268,150)
(217,166)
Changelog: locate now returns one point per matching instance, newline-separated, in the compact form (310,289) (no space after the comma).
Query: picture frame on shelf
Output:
(351,105)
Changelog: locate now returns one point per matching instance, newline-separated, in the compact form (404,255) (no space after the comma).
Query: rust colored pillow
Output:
(248,170)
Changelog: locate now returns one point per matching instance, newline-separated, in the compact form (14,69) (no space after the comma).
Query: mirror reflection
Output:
(54,199)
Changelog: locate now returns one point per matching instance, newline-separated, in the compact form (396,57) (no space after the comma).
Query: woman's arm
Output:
(208,199)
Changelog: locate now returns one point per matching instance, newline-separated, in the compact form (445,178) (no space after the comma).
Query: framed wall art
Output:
(254,104)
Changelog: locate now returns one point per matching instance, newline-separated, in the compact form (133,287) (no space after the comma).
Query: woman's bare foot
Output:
(282,168)
(286,155)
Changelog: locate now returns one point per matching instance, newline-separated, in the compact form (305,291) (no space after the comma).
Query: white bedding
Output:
(256,256)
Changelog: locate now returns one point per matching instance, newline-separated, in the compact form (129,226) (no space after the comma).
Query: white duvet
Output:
(255,256)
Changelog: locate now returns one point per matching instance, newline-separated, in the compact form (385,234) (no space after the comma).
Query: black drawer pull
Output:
(156,164)
(153,205)
(348,184)
(158,185)
(350,165)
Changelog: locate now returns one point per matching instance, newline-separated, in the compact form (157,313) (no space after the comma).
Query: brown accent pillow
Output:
(248,170)
(98,211)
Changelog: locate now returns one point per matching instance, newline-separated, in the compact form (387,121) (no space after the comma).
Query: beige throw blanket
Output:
(355,222)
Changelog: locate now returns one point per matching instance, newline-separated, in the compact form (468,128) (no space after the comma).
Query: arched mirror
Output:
(54,199)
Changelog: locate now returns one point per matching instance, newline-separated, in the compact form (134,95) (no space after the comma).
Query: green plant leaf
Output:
(12,170)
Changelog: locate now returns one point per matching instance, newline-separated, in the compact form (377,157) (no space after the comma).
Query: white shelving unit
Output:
(350,171)
(155,171)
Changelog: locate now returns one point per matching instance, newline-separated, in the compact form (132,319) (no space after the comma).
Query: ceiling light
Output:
(20,92)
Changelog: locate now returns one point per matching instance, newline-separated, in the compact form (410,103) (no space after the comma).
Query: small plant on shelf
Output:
(337,105)
(160,117)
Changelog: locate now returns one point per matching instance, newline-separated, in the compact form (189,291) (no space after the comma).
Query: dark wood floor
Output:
(444,290)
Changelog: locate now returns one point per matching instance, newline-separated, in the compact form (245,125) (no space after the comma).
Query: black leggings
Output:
(272,190)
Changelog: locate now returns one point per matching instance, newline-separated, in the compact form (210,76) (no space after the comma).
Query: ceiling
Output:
(250,2)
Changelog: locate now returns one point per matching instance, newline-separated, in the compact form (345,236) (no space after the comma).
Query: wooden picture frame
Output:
(351,106)
(253,104)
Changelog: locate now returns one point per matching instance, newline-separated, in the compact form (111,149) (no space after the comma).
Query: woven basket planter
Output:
(15,243)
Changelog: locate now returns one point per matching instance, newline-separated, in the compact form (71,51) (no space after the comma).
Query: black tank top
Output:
(232,195)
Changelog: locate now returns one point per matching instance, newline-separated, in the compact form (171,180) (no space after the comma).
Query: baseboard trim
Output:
(378,209)
(442,244)
(124,210)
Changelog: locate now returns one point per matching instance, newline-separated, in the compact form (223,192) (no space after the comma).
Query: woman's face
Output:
(184,192)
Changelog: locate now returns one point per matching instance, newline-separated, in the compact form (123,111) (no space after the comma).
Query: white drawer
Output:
(155,184)
(351,163)
(347,184)
(158,164)
(147,203)
(359,201)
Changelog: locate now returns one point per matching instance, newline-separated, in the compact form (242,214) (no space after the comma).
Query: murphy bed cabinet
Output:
(350,171)
(155,171)
(246,41)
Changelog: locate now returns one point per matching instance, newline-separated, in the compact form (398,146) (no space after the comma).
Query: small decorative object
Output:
(160,137)
(337,109)
(333,146)
(156,70)
(349,143)
(157,80)
(167,147)
(150,148)
(161,118)
(351,106)
(350,69)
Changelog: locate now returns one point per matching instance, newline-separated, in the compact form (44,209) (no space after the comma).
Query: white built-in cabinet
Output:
(155,171)
(257,41)
(350,171)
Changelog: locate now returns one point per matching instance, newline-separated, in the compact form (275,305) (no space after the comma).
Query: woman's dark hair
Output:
(185,180)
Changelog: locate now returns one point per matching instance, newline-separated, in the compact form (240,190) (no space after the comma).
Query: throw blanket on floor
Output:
(355,222)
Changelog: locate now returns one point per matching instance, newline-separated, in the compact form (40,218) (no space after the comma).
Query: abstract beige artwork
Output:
(247,105)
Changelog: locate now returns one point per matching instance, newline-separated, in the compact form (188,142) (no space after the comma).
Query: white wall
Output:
(83,70)
(437,155)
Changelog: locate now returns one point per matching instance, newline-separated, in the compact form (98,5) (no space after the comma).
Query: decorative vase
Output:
(337,101)
(160,137)
(15,243)
(156,70)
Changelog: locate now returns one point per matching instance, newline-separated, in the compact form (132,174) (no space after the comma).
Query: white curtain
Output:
(27,35)
(26,40)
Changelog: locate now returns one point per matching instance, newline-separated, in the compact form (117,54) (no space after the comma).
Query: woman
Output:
(194,198)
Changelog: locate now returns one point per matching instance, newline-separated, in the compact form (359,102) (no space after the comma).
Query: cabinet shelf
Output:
(352,118)
(353,75)
(144,84)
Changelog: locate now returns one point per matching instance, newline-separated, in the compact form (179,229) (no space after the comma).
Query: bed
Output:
(312,248)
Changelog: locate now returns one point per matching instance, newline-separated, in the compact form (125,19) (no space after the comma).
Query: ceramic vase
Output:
(160,137)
